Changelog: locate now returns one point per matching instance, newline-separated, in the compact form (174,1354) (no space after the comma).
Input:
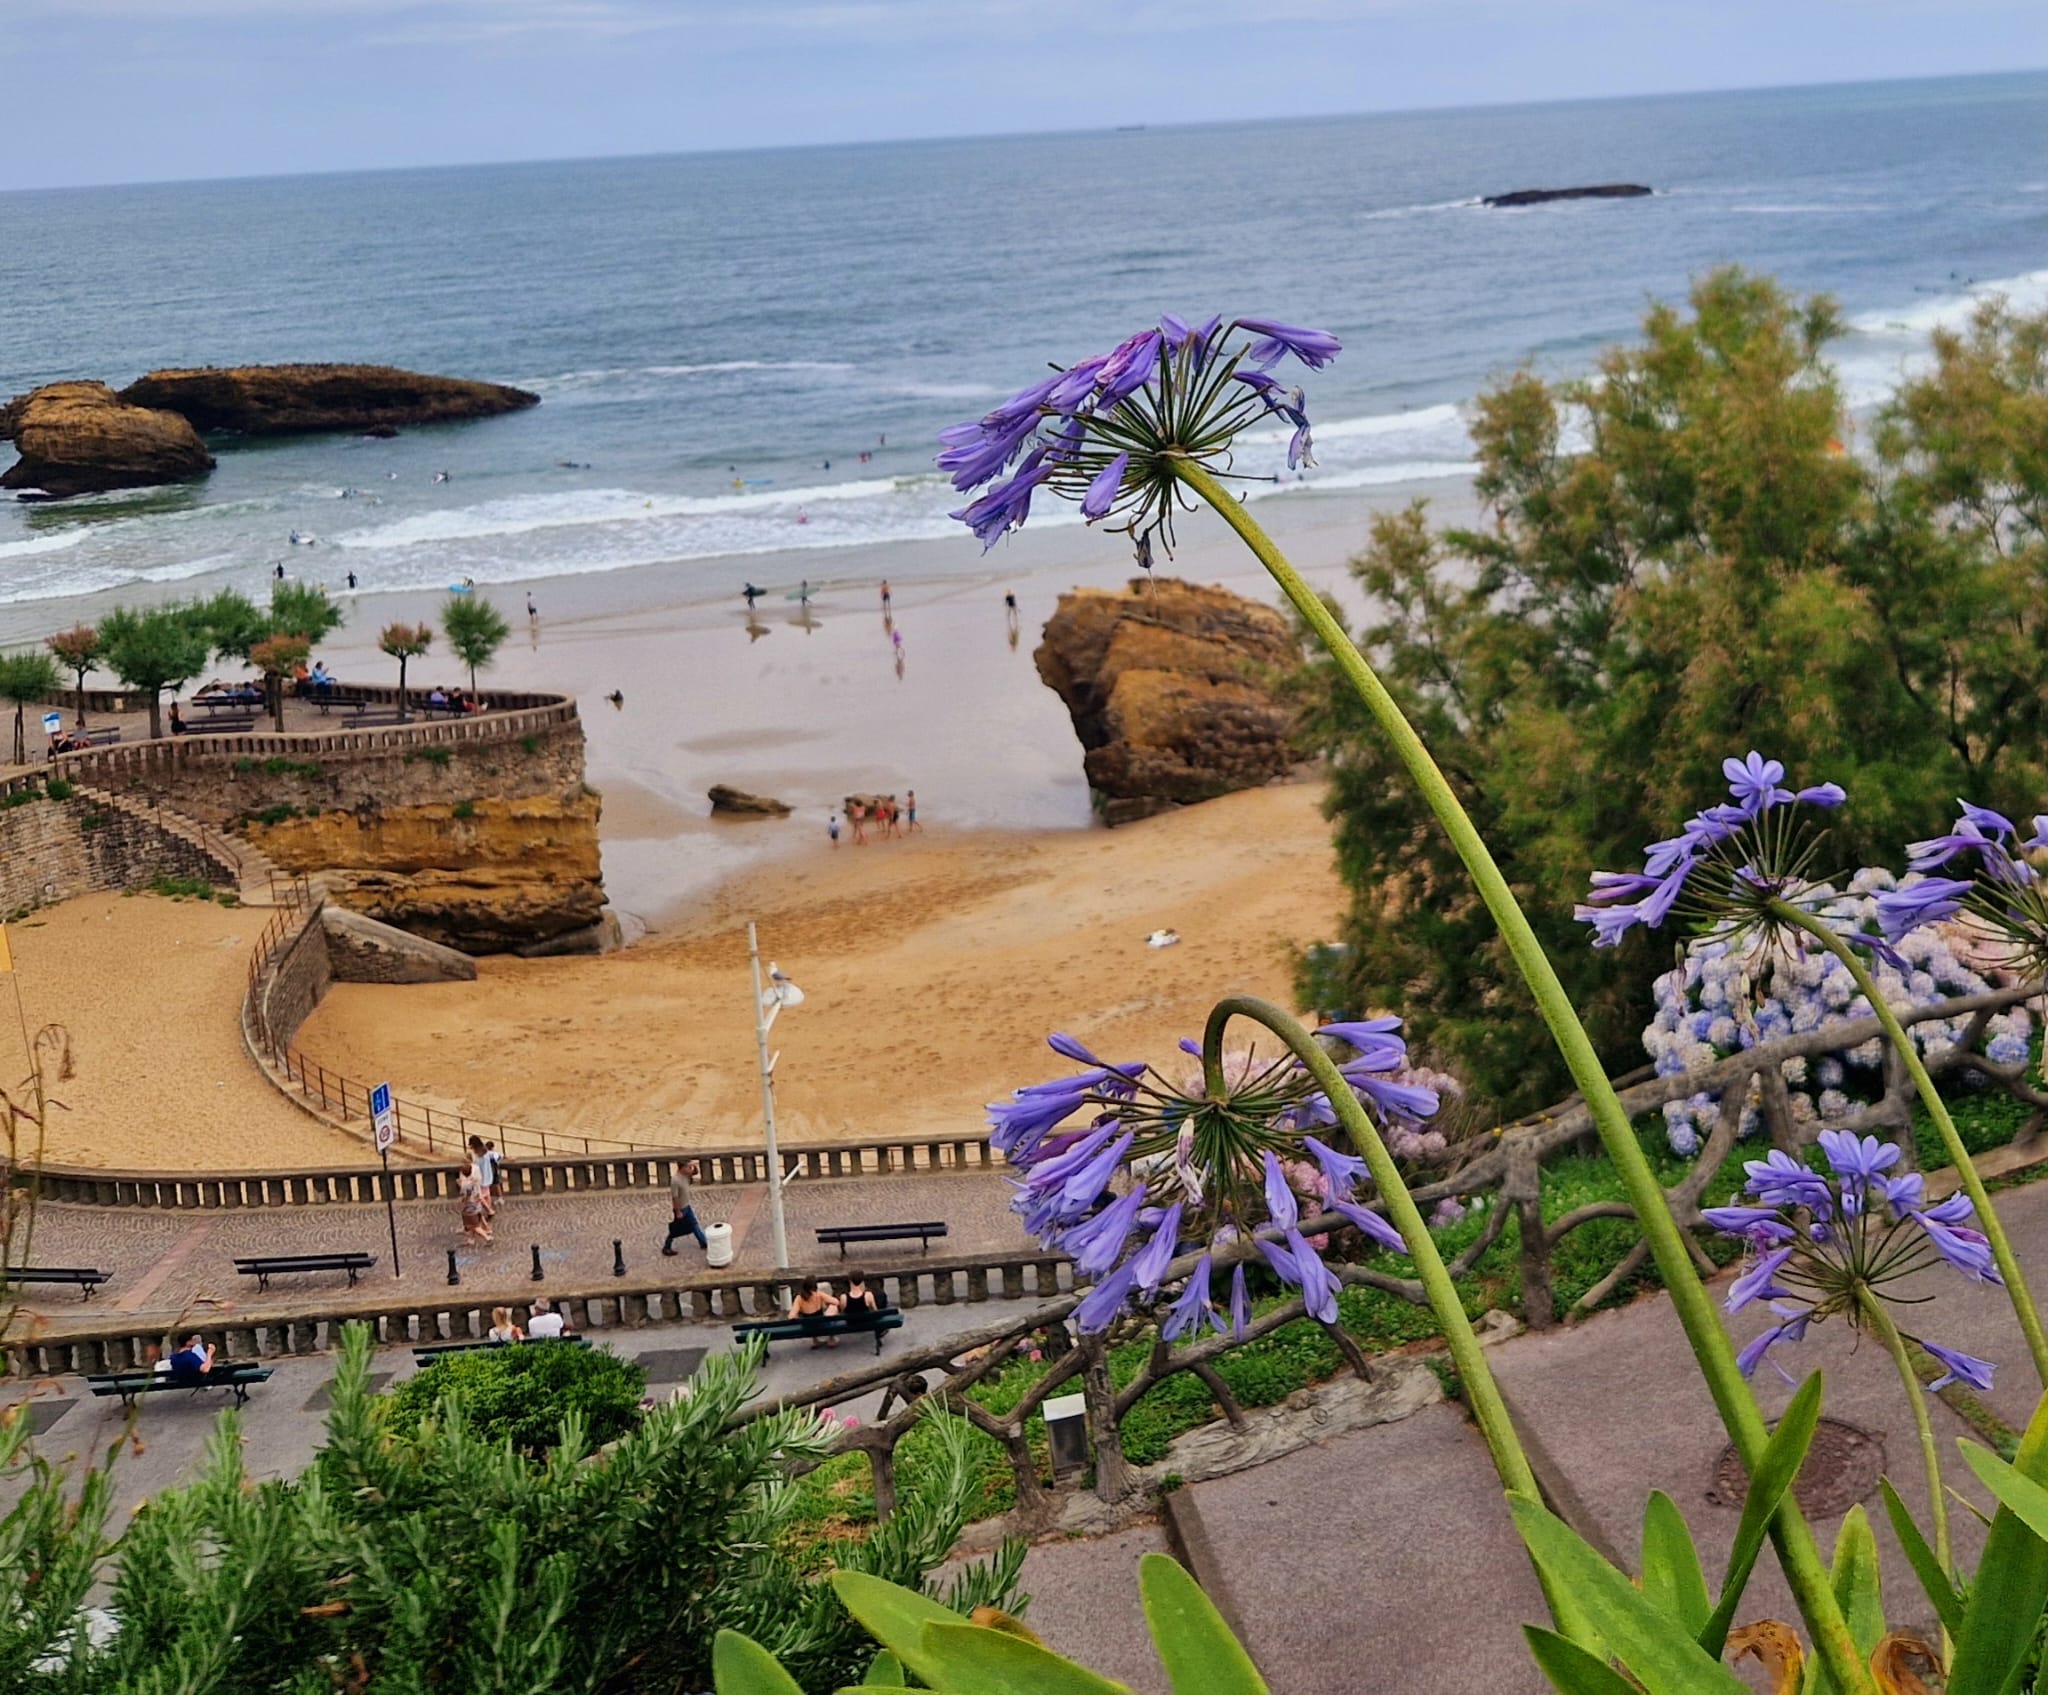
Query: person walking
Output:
(682,1215)
(857,816)
(910,811)
(885,594)
(476,1219)
(832,829)
(485,1160)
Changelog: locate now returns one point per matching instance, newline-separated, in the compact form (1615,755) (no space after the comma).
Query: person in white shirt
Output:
(545,1323)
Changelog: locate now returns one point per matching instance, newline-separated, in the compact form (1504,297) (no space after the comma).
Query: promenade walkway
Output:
(177,1262)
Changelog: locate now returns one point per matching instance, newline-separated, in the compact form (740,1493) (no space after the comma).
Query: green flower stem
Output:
(1937,1109)
(1482,1393)
(1798,1553)
(1879,1320)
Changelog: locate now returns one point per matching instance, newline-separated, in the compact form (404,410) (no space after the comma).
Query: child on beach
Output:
(910,811)
(832,829)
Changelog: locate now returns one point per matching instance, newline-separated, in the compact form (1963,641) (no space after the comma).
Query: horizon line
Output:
(1449,107)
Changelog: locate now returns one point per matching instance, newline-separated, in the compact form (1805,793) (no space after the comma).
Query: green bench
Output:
(224,1375)
(790,1329)
(424,1357)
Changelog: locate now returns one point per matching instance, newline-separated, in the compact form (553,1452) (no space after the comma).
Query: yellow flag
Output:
(6,958)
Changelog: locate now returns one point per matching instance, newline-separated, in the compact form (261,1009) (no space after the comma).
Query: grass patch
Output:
(531,744)
(463,809)
(20,797)
(188,888)
(279,767)
(59,789)
(437,757)
(272,815)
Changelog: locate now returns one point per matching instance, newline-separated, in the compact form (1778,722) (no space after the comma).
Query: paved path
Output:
(173,1261)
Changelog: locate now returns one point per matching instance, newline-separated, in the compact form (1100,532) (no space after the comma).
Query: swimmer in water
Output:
(351,579)
(440,476)
(617,699)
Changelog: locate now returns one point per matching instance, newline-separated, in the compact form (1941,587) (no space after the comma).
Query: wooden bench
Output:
(790,1329)
(263,1267)
(129,1384)
(424,1357)
(222,726)
(84,1277)
(844,1233)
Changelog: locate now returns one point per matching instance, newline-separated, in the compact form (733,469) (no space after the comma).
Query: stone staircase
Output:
(258,882)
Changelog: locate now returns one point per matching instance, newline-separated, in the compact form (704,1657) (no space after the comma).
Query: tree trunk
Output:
(81,700)
(156,712)
(20,734)
(276,686)
(402,713)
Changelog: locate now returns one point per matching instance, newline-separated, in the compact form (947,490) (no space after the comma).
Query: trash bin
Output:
(718,1244)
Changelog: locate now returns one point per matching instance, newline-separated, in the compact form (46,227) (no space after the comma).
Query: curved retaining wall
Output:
(88,843)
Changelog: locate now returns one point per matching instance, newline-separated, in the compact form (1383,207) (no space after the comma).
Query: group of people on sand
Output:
(888,816)
(479,1189)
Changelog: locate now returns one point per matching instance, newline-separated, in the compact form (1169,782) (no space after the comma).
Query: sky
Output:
(102,91)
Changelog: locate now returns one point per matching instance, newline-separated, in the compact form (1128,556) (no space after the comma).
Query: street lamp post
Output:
(768,1002)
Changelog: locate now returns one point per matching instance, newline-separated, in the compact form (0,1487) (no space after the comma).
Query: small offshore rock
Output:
(741,804)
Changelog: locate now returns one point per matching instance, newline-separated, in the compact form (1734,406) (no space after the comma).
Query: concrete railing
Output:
(116,1342)
(206,1191)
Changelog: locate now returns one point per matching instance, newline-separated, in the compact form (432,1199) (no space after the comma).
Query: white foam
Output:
(44,544)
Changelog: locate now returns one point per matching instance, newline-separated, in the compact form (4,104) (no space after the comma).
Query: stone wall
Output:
(361,950)
(294,984)
(53,850)
(478,833)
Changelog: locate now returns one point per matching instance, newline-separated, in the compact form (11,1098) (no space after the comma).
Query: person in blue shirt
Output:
(193,1359)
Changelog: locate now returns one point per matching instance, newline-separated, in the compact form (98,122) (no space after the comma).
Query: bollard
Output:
(536,1262)
(618,1258)
(454,1276)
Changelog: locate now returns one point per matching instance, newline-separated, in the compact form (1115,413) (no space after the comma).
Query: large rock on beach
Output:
(737,803)
(1170,687)
(271,400)
(81,438)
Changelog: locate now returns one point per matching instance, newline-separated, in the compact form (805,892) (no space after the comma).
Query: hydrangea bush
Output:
(1731,993)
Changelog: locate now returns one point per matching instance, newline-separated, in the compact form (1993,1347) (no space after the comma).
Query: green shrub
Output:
(274,815)
(57,788)
(530,743)
(464,809)
(523,1393)
(20,797)
(186,888)
(435,756)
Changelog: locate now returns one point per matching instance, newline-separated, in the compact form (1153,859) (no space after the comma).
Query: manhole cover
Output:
(1842,1467)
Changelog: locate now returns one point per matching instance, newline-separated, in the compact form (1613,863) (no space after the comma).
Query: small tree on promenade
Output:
(475,630)
(78,651)
(24,679)
(277,657)
(154,649)
(405,643)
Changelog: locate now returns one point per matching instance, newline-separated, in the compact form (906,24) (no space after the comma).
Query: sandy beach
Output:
(935,964)
(933,968)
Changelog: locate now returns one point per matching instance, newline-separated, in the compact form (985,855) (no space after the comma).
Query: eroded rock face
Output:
(738,803)
(266,400)
(504,875)
(1169,687)
(81,438)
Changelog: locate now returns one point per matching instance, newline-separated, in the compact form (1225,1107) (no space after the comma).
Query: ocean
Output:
(747,354)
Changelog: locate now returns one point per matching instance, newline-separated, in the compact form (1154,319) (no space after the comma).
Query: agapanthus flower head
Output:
(1109,430)
(1732,869)
(1836,1241)
(1129,1169)
(1988,883)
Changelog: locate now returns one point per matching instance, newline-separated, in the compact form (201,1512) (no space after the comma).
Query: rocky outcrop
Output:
(81,438)
(1543,196)
(270,400)
(503,874)
(738,803)
(1169,686)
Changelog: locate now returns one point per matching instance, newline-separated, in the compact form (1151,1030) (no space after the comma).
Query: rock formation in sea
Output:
(1542,196)
(738,803)
(268,400)
(1170,687)
(81,438)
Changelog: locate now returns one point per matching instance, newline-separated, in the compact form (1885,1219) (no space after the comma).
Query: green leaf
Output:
(892,1615)
(741,1666)
(1859,1584)
(1195,1646)
(1775,1469)
(1653,1644)
(1671,1564)
(1948,1605)
(886,1669)
(971,1659)
(2011,1587)
(1573,1671)
(2015,1491)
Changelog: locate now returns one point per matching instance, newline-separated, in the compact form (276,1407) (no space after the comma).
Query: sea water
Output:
(748,353)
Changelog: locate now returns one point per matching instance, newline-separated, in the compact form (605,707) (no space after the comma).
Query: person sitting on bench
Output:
(546,1324)
(811,1307)
(502,1328)
(194,1359)
(858,1305)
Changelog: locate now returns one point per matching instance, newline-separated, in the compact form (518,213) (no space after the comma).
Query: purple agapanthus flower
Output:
(1990,885)
(1734,868)
(1128,1170)
(1835,1241)
(1112,431)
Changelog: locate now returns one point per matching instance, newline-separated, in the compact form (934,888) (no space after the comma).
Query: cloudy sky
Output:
(129,90)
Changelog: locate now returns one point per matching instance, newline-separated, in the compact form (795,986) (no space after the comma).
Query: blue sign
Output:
(380,1100)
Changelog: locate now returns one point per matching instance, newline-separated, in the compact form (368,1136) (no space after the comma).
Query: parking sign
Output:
(384,1116)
